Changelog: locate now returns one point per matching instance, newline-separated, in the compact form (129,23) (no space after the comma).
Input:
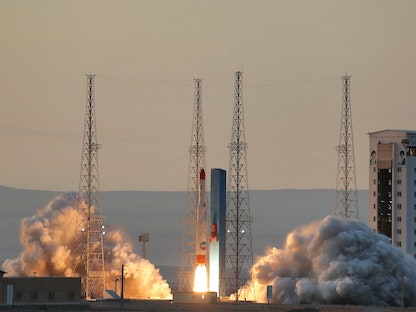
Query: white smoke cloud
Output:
(48,239)
(336,261)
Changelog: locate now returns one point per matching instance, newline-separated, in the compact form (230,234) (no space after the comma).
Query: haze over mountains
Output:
(274,212)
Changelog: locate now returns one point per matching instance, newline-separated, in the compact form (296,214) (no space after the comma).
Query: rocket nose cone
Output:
(202,174)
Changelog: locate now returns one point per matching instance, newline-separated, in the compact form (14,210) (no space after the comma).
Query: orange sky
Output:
(145,55)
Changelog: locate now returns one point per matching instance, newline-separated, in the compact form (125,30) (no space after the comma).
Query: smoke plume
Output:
(336,261)
(48,239)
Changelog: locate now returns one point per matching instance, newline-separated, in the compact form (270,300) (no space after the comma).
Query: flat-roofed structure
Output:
(392,187)
(39,290)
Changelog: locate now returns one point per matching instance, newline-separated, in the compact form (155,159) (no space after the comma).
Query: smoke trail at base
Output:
(335,261)
(49,237)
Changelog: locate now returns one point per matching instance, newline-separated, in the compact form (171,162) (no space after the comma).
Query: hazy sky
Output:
(146,54)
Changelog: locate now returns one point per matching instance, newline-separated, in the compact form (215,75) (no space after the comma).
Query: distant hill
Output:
(274,212)
(16,204)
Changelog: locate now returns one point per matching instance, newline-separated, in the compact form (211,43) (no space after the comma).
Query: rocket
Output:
(201,222)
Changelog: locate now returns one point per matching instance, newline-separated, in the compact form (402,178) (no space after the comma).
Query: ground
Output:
(162,306)
(165,306)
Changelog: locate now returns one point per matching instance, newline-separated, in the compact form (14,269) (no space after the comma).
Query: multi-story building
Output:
(392,189)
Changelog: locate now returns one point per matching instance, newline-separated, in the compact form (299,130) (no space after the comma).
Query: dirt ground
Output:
(167,306)
(162,306)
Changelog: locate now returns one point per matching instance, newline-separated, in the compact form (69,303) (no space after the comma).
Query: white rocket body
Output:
(201,222)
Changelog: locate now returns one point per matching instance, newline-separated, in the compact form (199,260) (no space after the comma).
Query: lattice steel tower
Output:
(346,202)
(196,163)
(88,256)
(239,251)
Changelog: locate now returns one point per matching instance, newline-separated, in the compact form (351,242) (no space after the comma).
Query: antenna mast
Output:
(239,251)
(346,202)
(88,257)
(196,163)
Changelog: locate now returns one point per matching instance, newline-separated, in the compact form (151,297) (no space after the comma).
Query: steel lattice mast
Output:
(346,202)
(196,163)
(88,257)
(239,251)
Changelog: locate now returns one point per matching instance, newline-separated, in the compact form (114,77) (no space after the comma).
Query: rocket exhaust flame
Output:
(336,261)
(201,278)
(48,239)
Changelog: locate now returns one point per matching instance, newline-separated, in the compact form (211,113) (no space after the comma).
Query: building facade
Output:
(39,290)
(392,187)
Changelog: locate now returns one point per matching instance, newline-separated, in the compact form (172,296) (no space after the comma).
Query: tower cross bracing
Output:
(88,256)
(346,202)
(197,152)
(239,251)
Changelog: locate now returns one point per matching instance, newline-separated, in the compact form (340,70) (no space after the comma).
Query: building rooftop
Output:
(394,130)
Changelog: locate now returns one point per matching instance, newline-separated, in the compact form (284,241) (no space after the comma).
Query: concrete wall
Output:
(36,290)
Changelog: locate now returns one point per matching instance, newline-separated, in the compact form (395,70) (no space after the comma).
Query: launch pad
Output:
(195,297)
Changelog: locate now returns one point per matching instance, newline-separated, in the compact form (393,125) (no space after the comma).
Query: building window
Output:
(414,206)
(51,295)
(414,244)
(71,295)
(374,206)
(399,244)
(374,169)
(374,218)
(399,194)
(374,193)
(19,293)
(399,181)
(414,232)
(399,169)
(410,151)
(34,296)
(399,206)
(399,219)
(399,231)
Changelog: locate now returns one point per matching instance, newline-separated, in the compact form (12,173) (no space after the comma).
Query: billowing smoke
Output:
(48,239)
(336,261)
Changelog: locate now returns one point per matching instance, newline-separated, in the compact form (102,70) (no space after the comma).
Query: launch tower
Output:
(88,256)
(346,202)
(196,163)
(239,251)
